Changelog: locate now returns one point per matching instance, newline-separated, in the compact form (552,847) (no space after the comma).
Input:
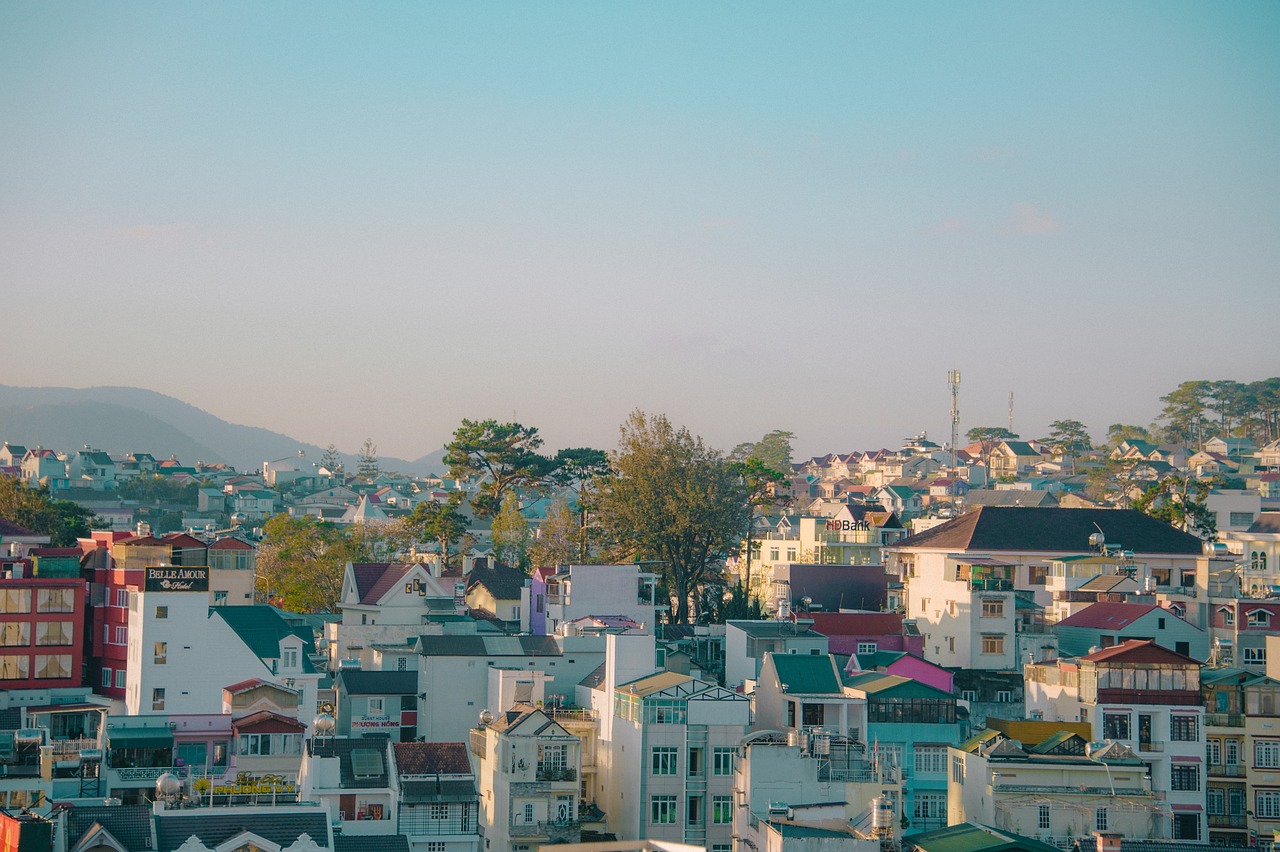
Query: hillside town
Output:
(1011,644)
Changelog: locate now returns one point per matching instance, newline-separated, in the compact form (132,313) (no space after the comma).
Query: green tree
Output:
(673,500)
(442,523)
(762,486)
(510,534)
(502,456)
(1183,413)
(301,562)
(155,489)
(331,461)
(774,450)
(576,470)
(1118,433)
(368,468)
(1068,438)
(989,437)
(34,508)
(558,541)
(1181,502)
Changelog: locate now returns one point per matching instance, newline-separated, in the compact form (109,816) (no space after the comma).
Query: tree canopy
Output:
(34,508)
(502,456)
(442,523)
(672,499)
(301,560)
(510,535)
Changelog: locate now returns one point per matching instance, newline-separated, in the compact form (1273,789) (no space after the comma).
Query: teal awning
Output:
(139,738)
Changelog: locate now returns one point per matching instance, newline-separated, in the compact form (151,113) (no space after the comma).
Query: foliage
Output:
(774,450)
(367,467)
(672,499)
(442,523)
(577,470)
(331,461)
(1118,433)
(504,456)
(559,536)
(156,489)
(988,438)
(1198,410)
(1184,413)
(762,492)
(301,560)
(34,508)
(510,534)
(1181,502)
(735,604)
(1067,438)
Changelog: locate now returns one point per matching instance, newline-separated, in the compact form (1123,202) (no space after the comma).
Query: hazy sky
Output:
(340,220)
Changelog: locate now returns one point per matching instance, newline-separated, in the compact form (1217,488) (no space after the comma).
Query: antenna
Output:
(1010,411)
(953,379)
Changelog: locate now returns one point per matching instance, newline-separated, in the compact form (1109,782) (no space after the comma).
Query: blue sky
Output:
(345,220)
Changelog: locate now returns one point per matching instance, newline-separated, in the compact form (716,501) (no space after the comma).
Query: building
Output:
(437,801)
(1104,624)
(559,595)
(41,632)
(747,643)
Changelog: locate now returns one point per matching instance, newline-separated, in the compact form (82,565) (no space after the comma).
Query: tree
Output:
(510,534)
(503,456)
(1181,502)
(1118,433)
(33,508)
(774,450)
(575,470)
(1068,438)
(558,538)
(671,499)
(1184,413)
(367,467)
(442,523)
(761,484)
(301,562)
(331,461)
(989,437)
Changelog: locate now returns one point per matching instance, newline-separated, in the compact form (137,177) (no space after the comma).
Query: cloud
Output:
(1028,220)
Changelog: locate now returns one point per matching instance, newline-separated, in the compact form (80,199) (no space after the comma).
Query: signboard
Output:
(848,526)
(370,722)
(173,578)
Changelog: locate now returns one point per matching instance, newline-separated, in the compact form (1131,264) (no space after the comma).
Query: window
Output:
(120,679)
(1257,656)
(930,806)
(1266,754)
(1216,801)
(219,598)
(1044,824)
(695,763)
(1228,616)
(106,677)
(375,707)
(162,612)
(662,810)
(969,695)
(867,647)
(1184,729)
(1099,819)
(402,664)
(1115,726)
(162,653)
(56,600)
(16,634)
(53,665)
(663,760)
(1214,751)
(157,699)
(122,635)
(992,643)
(264,744)
(722,810)
(993,607)
(1241,519)
(553,758)
(773,554)
(14,667)
(814,714)
(528,813)
(1232,749)
(1259,618)
(1004,696)
(957,769)
(1184,776)
(290,660)
(15,600)
(1267,804)
(722,761)
(122,598)
(930,759)
(438,811)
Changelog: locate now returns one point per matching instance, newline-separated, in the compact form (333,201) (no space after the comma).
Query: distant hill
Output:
(123,420)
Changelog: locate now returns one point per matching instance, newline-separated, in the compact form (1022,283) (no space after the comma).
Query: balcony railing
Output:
(991,584)
(1150,746)
(1227,770)
(557,773)
(477,740)
(1228,821)
(1224,720)
(553,830)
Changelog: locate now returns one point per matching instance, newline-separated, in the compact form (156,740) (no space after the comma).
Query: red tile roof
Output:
(230,543)
(855,623)
(1105,615)
(375,579)
(432,759)
(266,722)
(10,528)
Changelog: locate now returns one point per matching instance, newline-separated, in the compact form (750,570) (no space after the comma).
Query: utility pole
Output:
(953,379)
(1010,411)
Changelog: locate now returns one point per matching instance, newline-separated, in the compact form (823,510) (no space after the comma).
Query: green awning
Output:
(139,738)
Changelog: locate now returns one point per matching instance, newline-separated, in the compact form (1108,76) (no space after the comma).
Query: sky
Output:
(340,220)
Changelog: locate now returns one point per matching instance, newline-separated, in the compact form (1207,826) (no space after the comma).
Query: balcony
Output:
(556,773)
(556,832)
(1226,770)
(476,739)
(1228,821)
(1143,747)
(991,584)
(1224,720)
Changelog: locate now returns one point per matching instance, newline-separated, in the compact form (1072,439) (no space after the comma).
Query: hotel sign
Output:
(173,578)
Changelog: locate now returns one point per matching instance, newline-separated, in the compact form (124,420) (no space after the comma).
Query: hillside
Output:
(121,420)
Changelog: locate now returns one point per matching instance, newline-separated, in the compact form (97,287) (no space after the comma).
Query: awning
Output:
(1187,808)
(139,738)
(413,792)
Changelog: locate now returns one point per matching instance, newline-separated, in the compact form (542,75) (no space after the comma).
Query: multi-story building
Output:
(436,798)
(670,748)
(556,596)
(1106,623)
(747,642)
(1147,698)
(528,777)
(351,777)
(41,631)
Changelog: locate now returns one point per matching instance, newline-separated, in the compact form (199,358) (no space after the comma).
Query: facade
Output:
(437,801)
(41,632)
(747,643)
(1105,624)
(556,596)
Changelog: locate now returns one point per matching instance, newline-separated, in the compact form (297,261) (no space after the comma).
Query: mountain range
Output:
(125,420)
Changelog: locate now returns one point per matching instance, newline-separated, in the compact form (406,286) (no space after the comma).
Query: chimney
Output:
(1108,841)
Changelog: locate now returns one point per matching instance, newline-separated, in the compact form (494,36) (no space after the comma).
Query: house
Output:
(1011,458)
(299,828)
(1146,698)
(41,631)
(1239,738)
(351,778)
(1104,624)
(561,594)
(902,500)
(806,587)
(388,603)
(865,632)
(747,643)
(796,693)
(377,702)
(497,591)
(902,664)
(973,838)
(437,799)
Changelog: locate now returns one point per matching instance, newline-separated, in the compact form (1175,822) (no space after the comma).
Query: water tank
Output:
(821,743)
(804,741)
(168,785)
(881,813)
(27,736)
(793,738)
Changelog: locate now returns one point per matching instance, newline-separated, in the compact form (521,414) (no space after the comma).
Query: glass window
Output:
(162,612)
(1044,823)
(1184,776)
(106,677)
(1268,804)
(722,810)
(992,644)
(56,600)
(930,759)
(1266,754)
(1115,726)
(1184,728)
(157,699)
(14,667)
(15,600)
(722,760)
(53,666)
(120,679)
(993,607)
(16,634)
(663,760)
(162,653)
(662,810)
(867,647)
(1100,819)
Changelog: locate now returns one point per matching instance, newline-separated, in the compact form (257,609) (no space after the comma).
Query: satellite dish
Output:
(486,718)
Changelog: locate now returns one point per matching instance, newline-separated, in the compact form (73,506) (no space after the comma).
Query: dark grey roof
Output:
(488,646)
(438,791)
(342,747)
(1267,522)
(503,582)
(991,497)
(359,682)
(281,825)
(370,843)
(995,528)
(773,628)
(595,679)
(130,824)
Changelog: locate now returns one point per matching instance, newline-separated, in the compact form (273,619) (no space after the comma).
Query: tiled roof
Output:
(1138,651)
(856,623)
(996,528)
(360,682)
(771,628)
(130,824)
(1267,522)
(503,582)
(969,837)
(432,759)
(282,826)
(261,628)
(375,579)
(230,543)
(1106,615)
(488,646)
(806,674)
(10,528)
